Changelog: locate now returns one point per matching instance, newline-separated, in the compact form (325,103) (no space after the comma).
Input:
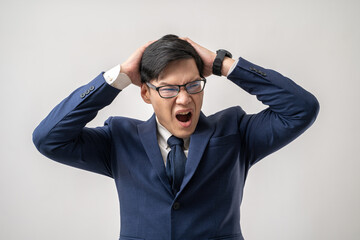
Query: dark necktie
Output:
(175,163)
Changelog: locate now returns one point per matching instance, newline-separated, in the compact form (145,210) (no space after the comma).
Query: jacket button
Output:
(91,88)
(176,206)
(87,91)
(82,95)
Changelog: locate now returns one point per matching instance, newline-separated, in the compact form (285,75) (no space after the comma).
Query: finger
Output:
(188,40)
(150,42)
(147,44)
(139,52)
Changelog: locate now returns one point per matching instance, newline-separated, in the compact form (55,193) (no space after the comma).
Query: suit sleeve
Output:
(63,137)
(291,110)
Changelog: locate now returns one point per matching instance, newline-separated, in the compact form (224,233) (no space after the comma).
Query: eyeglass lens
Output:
(191,88)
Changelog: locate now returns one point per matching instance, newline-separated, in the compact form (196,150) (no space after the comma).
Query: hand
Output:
(206,55)
(208,58)
(131,66)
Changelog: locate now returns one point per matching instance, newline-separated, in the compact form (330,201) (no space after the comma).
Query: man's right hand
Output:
(131,66)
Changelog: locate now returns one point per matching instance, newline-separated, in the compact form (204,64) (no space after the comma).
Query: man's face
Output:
(180,114)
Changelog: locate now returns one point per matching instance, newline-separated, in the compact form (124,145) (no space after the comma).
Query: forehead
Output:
(179,72)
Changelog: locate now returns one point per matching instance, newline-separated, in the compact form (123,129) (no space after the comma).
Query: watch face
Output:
(217,64)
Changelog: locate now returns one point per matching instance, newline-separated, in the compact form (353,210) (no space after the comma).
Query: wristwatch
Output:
(217,64)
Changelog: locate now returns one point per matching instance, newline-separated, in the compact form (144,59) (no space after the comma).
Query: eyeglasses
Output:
(170,91)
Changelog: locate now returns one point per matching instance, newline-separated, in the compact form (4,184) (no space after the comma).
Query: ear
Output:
(145,93)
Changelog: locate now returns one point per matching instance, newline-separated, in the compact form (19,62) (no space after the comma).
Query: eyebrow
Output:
(163,83)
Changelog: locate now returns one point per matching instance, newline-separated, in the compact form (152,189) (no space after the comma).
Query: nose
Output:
(183,97)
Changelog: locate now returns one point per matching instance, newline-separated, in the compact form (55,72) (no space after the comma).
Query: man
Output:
(179,175)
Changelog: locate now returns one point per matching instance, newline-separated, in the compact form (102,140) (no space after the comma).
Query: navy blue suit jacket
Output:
(222,149)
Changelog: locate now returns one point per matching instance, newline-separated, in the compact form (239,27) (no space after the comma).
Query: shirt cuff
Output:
(117,79)
(232,67)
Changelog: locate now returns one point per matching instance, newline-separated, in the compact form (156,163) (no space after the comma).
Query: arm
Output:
(62,135)
(291,108)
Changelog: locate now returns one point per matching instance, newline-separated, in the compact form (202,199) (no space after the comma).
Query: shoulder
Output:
(227,121)
(227,115)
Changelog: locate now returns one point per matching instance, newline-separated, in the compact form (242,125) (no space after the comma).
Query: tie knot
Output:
(172,141)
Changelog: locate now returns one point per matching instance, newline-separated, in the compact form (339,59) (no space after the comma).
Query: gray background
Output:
(308,190)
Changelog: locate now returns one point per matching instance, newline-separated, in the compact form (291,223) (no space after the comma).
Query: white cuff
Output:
(232,67)
(117,79)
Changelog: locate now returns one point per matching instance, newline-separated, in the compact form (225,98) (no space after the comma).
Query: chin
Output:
(184,133)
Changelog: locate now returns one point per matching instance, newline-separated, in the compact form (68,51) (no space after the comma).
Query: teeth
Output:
(183,113)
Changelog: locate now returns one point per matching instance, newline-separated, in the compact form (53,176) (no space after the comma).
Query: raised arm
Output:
(291,109)
(62,135)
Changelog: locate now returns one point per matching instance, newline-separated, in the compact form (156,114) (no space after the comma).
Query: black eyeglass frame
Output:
(179,87)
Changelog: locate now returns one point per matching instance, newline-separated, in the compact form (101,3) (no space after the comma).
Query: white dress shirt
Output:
(162,136)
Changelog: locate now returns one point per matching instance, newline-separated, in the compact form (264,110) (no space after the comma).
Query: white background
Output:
(308,190)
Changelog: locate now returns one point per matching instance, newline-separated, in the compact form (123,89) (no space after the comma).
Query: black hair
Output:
(165,50)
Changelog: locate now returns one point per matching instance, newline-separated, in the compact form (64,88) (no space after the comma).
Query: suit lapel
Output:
(148,136)
(198,142)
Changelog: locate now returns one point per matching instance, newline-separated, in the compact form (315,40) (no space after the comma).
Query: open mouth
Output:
(184,117)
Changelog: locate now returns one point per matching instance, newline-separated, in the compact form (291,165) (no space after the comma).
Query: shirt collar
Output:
(163,135)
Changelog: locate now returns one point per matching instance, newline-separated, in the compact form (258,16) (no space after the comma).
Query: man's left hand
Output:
(208,58)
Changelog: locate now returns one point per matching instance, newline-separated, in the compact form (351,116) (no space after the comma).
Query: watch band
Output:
(217,64)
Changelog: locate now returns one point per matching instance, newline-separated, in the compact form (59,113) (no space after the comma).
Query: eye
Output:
(194,86)
(168,89)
